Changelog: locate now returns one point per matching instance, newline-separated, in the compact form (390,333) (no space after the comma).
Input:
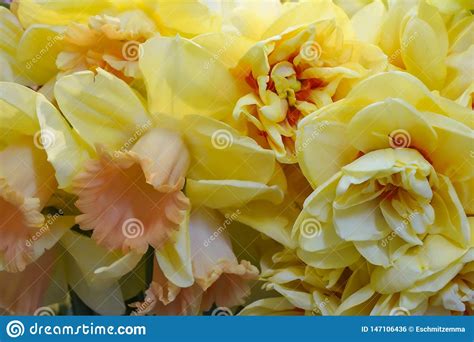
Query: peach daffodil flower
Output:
(34,138)
(149,176)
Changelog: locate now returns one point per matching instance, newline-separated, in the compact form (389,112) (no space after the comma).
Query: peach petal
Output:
(21,219)
(215,266)
(165,298)
(123,209)
(22,293)
(231,287)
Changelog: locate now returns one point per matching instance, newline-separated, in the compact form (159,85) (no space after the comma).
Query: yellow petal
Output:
(275,221)
(367,22)
(431,15)
(455,141)
(219,194)
(189,18)
(60,12)
(278,306)
(423,53)
(66,151)
(420,262)
(395,84)
(344,255)
(297,14)
(11,69)
(252,18)
(188,80)
(323,147)
(17,110)
(360,297)
(102,108)
(38,49)
(174,257)
(101,294)
(211,142)
(375,127)
(228,48)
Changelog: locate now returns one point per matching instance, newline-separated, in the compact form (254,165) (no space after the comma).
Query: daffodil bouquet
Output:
(237,157)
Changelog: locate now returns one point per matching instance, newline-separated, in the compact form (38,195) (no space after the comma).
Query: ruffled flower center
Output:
(122,206)
(21,218)
(299,73)
(107,42)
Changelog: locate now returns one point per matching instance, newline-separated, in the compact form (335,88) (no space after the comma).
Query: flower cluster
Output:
(259,158)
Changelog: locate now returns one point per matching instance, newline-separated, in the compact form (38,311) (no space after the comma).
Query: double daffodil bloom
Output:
(69,36)
(430,39)
(293,69)
(155,181)
(399,192)
(307,290)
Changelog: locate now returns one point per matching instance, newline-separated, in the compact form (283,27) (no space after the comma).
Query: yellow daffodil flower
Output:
(69,36)
(399,191)
(430,39)
(148,170)
(293,69)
